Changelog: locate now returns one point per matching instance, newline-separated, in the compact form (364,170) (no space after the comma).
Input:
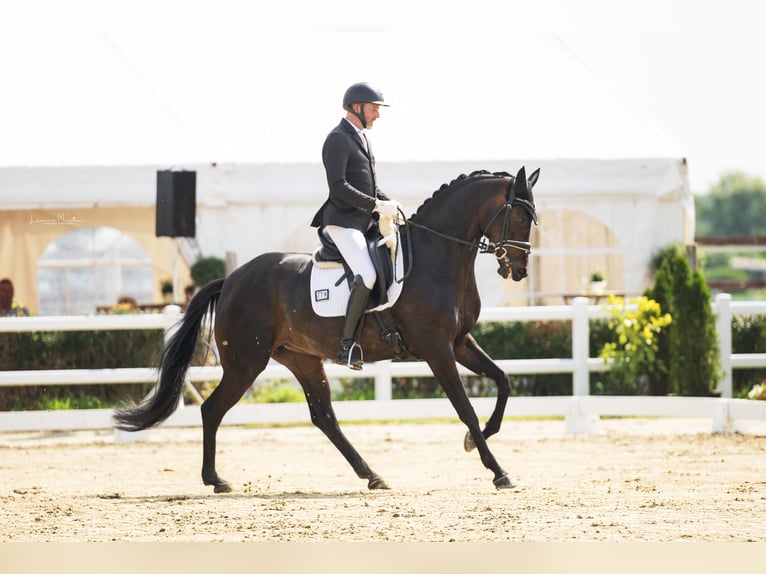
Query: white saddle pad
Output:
(329,300)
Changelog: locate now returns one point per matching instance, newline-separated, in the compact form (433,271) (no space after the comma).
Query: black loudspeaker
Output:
(176,203)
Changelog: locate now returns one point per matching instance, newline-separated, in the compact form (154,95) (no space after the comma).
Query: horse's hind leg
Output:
(469,354)
(311,375)
(231,388)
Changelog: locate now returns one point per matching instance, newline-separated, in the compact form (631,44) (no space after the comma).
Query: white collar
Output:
(358,131)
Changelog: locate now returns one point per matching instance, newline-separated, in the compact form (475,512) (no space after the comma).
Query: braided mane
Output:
(462,180)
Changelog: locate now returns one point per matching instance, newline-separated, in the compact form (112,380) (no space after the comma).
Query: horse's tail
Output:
(175,359)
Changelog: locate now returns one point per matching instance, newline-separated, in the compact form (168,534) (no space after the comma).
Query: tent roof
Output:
(106,92)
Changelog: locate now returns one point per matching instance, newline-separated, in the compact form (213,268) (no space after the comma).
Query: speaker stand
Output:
(176,252)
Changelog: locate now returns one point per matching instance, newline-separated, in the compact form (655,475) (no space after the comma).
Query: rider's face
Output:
(371,113)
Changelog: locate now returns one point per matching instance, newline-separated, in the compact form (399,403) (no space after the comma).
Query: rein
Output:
(486,246)
(499,249)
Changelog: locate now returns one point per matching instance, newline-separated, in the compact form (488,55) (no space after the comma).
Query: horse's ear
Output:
(533,178)
(519,187)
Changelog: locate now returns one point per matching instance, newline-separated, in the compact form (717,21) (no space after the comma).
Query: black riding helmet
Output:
(361,93)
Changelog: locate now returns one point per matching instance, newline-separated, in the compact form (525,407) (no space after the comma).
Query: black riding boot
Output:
(350,353)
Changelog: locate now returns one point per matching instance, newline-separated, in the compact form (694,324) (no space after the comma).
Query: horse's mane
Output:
(462,180)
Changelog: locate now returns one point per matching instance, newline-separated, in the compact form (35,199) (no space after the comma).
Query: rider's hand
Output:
(387,208)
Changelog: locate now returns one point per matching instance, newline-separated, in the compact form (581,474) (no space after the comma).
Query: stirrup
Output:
(350,355)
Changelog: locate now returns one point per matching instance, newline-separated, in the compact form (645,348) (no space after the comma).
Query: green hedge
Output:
(140,348)
(553,339)
(76,350)
(514,340)
(748,334)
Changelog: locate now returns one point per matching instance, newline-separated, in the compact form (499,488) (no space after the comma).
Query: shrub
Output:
(76,350)
(634,354)
(206,269)
(529,339)
(748,335)
(358,389)
(689,346)
(758,392)
(277,391)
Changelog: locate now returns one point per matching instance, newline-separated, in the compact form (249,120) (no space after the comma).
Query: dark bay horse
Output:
(263,310)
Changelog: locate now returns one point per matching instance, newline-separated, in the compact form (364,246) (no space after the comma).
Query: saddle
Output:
(328,256)
(382,251)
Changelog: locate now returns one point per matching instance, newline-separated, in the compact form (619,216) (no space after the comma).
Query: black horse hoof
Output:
(218,484)
(377,483)
(468,442)
(504,481)
(221,486)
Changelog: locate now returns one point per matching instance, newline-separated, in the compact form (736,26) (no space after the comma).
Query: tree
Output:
(658,373)
(736,205)
(689,345)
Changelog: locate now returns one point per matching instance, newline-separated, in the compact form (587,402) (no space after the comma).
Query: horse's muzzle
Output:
(506,270)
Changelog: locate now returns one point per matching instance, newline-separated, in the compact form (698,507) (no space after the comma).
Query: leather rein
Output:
(499,249)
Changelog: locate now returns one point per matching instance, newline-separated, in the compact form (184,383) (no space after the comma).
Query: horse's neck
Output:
(448,244)
(458,214)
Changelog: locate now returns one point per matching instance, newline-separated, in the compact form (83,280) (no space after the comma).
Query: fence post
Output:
(723,326)
(383,382)
(576,421)
(580,347)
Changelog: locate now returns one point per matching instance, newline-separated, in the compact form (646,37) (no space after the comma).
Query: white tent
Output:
(106,107)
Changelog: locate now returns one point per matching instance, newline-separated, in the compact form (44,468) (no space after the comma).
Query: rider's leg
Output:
(350,353)
(353,247)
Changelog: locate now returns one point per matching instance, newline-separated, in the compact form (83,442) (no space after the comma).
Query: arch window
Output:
(89,267)
(566,248)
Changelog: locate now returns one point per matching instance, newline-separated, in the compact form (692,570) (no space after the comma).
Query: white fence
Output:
(580,410)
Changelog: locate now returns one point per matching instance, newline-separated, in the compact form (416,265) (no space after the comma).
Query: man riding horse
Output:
(353,205)
(481,212)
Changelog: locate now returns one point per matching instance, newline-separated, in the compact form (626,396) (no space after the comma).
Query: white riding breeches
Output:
(353,248)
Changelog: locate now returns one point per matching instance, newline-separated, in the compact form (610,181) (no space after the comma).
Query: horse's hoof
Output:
(377,483)
(504,481)
(222,486)
(218,485)
(468,442)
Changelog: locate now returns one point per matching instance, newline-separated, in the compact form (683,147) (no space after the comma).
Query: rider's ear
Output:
(533,178)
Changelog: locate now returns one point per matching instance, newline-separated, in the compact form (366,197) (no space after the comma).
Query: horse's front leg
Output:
(469,354)
(443,366)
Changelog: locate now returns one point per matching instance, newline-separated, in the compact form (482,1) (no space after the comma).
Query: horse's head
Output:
(509,228)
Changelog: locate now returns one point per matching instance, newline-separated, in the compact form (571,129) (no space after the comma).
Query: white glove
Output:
(387,208)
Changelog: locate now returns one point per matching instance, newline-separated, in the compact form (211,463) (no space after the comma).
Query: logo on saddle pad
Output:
(330,290)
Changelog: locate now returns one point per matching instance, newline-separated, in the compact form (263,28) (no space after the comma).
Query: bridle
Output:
(499,249)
